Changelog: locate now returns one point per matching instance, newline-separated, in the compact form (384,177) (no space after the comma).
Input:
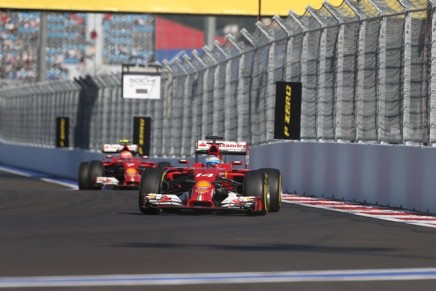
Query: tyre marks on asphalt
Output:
(377,212)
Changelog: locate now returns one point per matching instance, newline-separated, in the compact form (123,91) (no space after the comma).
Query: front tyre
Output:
(96,170)
(275,188)
(84,176)
(256,184)
(151,182)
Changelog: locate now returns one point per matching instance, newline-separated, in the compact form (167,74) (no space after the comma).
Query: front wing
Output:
(232,203)
(113,183)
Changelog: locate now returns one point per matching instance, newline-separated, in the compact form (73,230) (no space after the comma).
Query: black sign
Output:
(288,111)
(141,134)
(62,132)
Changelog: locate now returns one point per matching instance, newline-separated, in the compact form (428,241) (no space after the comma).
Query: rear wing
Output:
(225,147)
(117,148)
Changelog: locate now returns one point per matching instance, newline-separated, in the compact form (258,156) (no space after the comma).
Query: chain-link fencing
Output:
(367,68)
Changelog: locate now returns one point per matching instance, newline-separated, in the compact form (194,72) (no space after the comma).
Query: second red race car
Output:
(121,168)
(213,185)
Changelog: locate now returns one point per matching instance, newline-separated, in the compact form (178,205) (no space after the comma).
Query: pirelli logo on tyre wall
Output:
(62,132)
(288,110)
(141,134)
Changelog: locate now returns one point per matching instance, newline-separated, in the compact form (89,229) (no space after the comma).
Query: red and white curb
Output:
(377,212)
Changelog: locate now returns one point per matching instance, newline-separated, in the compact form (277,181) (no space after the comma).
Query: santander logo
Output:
(223,144)
(233,145)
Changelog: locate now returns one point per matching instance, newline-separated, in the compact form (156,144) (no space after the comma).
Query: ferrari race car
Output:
(121,168)
(212,187)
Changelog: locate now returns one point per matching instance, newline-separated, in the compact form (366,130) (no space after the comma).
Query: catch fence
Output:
(368,70)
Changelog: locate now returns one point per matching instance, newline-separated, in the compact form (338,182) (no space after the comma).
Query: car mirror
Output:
(184,162)
(237,163)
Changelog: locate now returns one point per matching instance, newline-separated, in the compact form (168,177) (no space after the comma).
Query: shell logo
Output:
(131,171)
(203,185)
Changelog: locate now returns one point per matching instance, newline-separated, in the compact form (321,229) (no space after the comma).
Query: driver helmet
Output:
(211,162)
(126,155)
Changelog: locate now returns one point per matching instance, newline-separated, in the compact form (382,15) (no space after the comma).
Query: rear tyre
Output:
(151,182)
(256,184)
(275,188)
(96,169)
(84,176)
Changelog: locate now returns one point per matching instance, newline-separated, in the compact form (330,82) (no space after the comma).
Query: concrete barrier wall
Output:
(398,176)
(53,161)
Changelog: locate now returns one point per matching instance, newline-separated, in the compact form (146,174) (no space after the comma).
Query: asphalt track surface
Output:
(51,230)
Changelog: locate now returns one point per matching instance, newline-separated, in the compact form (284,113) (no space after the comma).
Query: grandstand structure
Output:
(18,50)
(80,43)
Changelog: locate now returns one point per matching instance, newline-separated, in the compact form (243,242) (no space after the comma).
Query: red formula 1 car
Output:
(121,168)
(212,185)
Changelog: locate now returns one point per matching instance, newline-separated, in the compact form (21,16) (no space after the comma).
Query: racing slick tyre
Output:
(96,169)
(275,188)
(84,176)
(151,182)
(256,184)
